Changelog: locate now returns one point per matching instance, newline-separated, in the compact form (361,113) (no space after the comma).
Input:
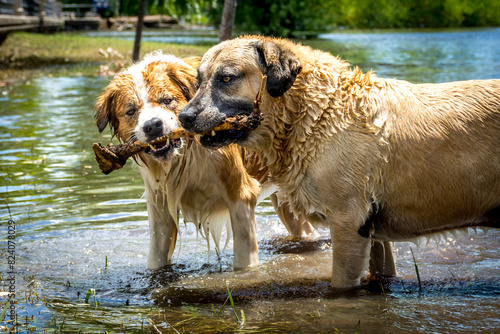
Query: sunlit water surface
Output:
(77,229)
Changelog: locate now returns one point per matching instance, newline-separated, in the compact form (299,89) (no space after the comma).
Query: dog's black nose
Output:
(187,119)
(153,128)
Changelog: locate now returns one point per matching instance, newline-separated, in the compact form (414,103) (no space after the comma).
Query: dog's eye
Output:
(226,79)
(131,112)
(166,101)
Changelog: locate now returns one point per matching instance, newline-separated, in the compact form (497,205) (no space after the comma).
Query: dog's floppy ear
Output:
(104,108)
(185,76)
(281,67)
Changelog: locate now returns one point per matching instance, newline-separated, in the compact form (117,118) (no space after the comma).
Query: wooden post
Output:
(58,8)
(138,30)
(18,7)
(43,4)
(226,25)
(41,15)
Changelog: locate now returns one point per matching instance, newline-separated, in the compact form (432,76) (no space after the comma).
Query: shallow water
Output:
(77,229)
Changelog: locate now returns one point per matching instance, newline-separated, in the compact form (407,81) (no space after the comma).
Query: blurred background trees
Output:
(284,18)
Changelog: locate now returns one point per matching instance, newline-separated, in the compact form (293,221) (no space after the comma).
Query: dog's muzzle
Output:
(187,118)
(153,129)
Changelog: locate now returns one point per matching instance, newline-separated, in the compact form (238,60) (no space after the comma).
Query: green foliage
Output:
(416,13)
(365,14)
(283,18)
(274,17)
(129,7)
(191,11)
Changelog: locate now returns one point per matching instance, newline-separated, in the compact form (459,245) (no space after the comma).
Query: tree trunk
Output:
(138,30)
(227,23)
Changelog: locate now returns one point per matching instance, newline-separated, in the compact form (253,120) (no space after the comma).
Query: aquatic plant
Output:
(231,301)
(416,270)
(91,292)
(4,311)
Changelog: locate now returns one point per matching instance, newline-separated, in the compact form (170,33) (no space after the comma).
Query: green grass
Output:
(27,55)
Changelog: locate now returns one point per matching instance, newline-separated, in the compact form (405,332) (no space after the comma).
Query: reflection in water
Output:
(77,229)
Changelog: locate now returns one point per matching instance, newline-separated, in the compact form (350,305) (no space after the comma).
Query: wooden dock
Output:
(29,15)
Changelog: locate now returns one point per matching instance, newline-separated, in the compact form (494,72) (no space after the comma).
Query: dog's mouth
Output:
(165,150)
(224,137)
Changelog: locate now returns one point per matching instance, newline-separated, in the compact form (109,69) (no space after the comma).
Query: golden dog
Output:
(213,189)
(376,160)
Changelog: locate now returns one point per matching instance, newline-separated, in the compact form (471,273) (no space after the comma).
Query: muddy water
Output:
(76,229)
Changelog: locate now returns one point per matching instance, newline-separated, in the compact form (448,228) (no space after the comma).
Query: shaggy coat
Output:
(376,160)
(212,189)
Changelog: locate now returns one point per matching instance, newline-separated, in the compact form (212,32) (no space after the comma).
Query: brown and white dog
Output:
(213,189)
(376,160)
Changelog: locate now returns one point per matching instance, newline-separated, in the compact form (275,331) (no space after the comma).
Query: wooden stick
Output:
(113,157)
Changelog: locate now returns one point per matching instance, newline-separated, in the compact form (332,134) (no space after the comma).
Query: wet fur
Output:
(213,189)
(376,160)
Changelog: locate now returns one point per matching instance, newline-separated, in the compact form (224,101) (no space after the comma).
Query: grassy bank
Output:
(27,55)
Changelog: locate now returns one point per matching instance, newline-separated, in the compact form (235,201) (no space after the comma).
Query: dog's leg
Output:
(244,226)
(351,254)
(382,261)
(162,226)
(163,236)
(297,227)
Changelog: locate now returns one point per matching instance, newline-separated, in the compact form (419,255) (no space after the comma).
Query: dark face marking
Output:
(224,138)
(227,86)
(218,97)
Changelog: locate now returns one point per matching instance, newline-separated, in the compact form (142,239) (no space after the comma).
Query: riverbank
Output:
(25,56)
